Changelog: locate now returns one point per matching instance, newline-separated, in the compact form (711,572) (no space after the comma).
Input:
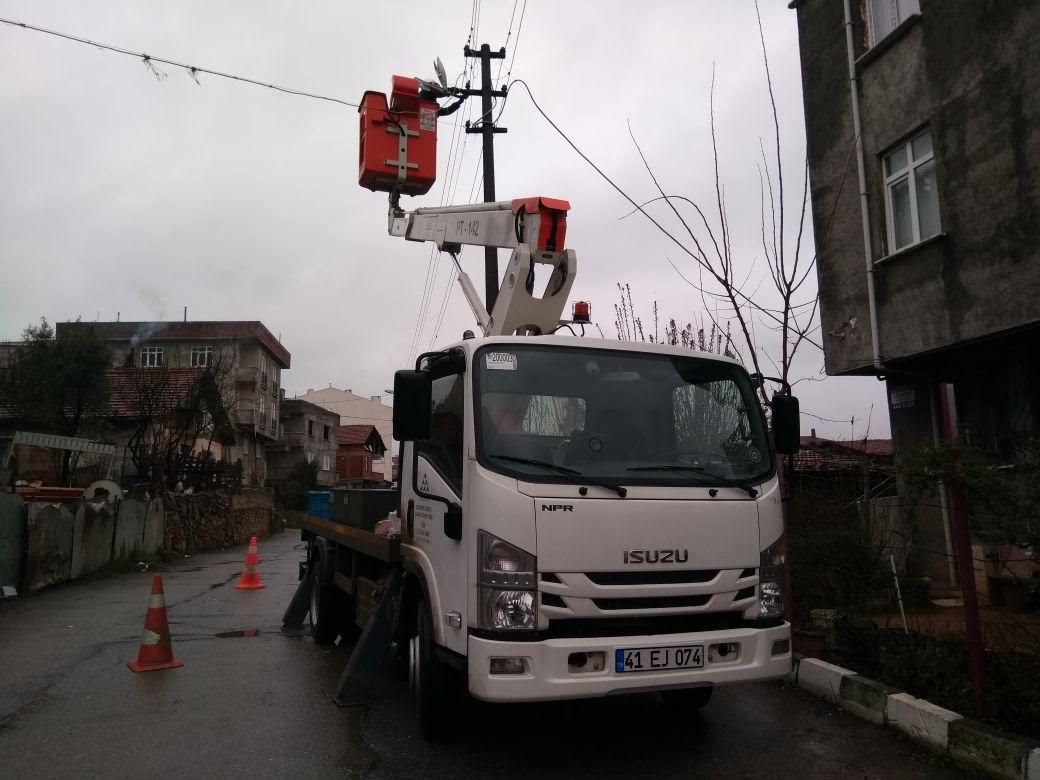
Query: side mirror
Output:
(412,397)
(453,522)
(786,424)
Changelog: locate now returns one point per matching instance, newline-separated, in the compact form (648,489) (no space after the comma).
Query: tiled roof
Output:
(133,391)
(357,435)
(216,330)
(818,454)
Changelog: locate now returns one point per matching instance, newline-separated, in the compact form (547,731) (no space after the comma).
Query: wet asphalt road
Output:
(260,705)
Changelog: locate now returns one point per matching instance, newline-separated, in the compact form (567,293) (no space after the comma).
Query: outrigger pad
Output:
(292,620)
(367,658)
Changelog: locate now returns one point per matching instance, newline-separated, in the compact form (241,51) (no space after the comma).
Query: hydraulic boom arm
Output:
(534,228)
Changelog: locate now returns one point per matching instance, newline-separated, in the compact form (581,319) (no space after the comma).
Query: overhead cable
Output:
(192,70)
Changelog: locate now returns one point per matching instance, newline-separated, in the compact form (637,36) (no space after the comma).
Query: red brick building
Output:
(358,446)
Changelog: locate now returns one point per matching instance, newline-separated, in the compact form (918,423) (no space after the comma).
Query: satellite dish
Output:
(442,77)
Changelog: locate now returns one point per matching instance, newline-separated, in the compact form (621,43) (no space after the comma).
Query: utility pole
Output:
(486,127)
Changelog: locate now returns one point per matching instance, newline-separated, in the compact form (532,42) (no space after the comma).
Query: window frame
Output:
(159,355)
(455,482)
(909,174)
(200,350)
(871,21)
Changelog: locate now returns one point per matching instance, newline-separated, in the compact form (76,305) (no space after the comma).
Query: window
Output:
(201,356)
(911,192)
(534,415)
(262,409)
(263,368)
(310,427)
(324,462)
(308,456)
(325,432)
(151,357)
(883,16)
(621,417)
(444,447)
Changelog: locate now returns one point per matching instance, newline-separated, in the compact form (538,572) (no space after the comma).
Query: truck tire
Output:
(688,701)
(326,606)
(429,679)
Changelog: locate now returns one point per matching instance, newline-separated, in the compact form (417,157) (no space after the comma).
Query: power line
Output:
(192,70)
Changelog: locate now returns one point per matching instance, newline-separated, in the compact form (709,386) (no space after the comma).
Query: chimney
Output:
(377,398)
(129,361)
(813,436)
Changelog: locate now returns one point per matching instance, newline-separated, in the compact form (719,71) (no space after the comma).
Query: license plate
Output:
(652,659)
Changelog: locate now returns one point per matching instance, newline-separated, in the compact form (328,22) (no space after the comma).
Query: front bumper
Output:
(547,676)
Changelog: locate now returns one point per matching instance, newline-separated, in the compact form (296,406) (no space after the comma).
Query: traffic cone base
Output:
(137,667)
(250,580)
(156,651)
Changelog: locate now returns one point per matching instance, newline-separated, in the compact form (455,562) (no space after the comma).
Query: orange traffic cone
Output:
(250,579)
(156,651)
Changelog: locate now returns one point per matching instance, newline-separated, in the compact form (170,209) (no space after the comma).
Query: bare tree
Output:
(178,410)
(731,288)
(698,335)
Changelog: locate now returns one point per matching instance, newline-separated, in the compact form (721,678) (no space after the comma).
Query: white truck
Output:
(579,517)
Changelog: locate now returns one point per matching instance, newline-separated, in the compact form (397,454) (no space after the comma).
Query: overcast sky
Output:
(125,192)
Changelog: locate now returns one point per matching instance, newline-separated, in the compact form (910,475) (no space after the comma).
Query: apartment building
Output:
(307,434)
(250,360)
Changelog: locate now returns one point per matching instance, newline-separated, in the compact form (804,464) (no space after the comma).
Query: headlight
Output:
(771,580)
(509,609)
(507,584)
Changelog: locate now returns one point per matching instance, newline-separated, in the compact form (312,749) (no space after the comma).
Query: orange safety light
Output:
(398,141)
(581,312)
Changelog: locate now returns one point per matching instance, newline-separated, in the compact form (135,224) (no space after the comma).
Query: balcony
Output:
(247,375)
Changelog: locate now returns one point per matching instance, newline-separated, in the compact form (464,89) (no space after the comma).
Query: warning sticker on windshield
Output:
(500,361)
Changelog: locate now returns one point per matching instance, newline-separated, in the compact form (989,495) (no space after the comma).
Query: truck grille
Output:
(651,577)
(628,595)
(664,602)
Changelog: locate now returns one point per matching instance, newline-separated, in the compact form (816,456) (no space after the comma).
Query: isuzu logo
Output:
(657,556)
(557,507)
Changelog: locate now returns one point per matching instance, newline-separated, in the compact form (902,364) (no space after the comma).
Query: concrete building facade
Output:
(254,361)
(307,434)
(949,108)
(357,410)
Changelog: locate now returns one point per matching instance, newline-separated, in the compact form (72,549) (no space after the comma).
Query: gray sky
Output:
(123,192)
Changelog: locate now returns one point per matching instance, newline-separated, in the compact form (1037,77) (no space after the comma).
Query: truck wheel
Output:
(428,678)
(326,606)
(687,701)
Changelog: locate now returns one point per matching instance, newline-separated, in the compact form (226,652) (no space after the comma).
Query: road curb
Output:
(971,744)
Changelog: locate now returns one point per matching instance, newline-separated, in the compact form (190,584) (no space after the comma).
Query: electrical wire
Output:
(432,264)
(192,70)
(453,277)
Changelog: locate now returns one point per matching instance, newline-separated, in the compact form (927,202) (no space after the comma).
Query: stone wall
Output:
(210,520)
(44,544)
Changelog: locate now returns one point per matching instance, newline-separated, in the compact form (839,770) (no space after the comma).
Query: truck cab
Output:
(584,517)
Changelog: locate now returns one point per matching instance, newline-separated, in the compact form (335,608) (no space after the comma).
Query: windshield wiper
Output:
(578,476)
(680,467)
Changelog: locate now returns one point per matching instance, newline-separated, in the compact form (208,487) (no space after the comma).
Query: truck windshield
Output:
(565,414)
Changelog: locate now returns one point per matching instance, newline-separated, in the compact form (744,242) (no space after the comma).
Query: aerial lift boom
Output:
(534,228)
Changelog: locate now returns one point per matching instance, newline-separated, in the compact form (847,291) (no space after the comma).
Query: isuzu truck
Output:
(578,517)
